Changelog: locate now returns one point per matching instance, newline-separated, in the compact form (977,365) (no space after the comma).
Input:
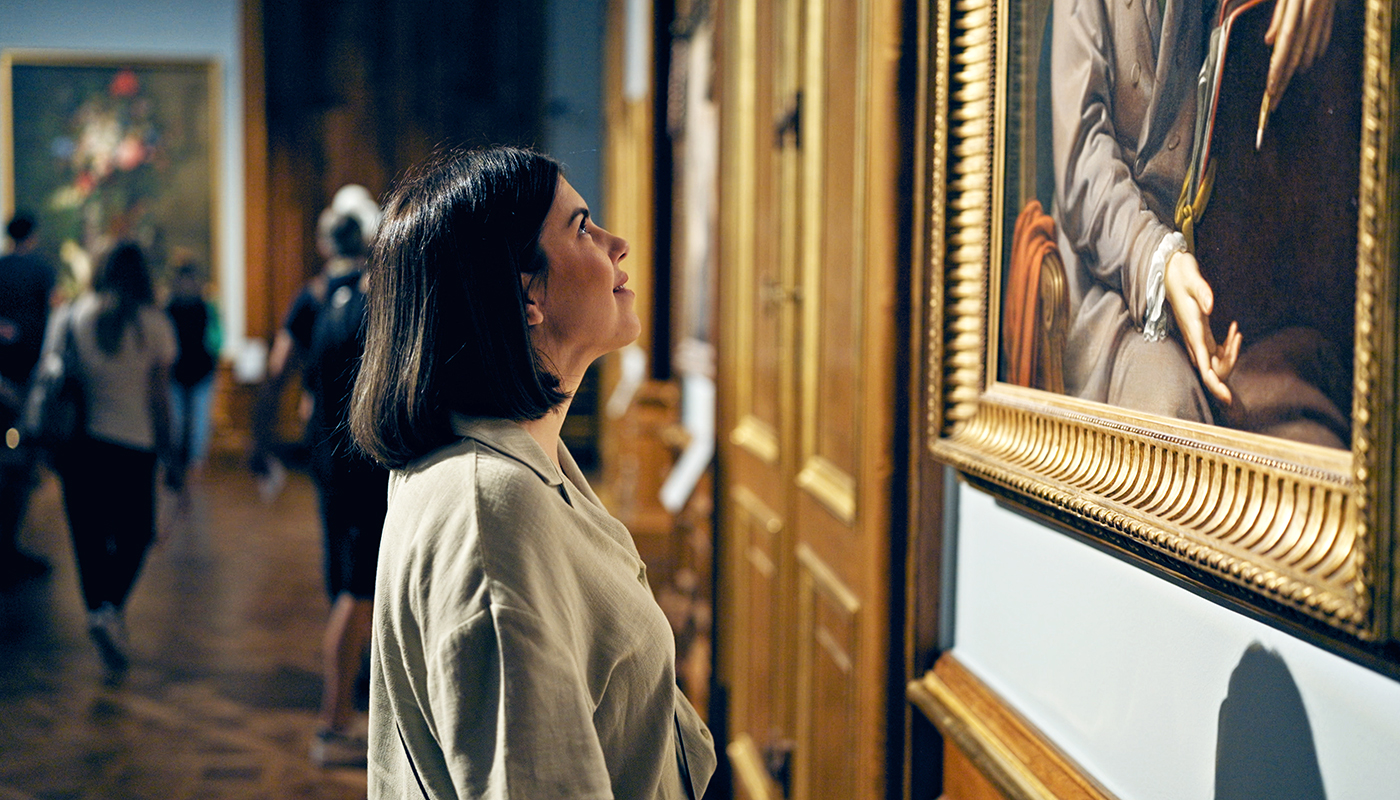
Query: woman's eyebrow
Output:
(574,216)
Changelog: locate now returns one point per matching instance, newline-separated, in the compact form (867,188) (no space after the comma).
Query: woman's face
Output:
(581,310)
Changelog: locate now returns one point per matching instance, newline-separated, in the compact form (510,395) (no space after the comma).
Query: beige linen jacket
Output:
(518,651)
(1123,114)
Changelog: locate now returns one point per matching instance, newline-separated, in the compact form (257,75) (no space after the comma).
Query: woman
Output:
(125,346)
(518,651)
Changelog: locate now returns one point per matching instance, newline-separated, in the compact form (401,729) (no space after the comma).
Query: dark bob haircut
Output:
(446,329)
(125,282)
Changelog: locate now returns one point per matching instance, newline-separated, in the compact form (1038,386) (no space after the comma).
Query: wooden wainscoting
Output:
(990,751)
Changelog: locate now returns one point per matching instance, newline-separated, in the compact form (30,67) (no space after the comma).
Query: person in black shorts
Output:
(353,492)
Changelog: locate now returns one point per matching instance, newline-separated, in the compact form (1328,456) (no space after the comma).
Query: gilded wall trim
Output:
(1011,753)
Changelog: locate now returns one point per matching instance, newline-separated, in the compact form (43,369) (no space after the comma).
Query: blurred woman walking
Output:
(125,346)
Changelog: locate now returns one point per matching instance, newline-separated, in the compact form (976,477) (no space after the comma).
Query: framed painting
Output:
(103,148)
(1161,284)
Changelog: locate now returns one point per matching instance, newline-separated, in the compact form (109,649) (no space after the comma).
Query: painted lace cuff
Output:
(1154,323)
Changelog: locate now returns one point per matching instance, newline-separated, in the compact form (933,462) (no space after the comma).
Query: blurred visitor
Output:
(125,345)
(353,493)
(292,341)
(198,335)
(26,285)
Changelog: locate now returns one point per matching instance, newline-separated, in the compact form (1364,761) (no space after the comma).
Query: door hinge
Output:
(790,123)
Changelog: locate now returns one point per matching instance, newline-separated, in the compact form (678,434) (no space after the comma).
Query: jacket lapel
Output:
(1176,34)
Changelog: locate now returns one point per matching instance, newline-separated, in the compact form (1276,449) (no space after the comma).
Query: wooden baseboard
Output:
(1010,753)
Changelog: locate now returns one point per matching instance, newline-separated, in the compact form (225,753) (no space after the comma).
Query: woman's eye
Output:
(583,226)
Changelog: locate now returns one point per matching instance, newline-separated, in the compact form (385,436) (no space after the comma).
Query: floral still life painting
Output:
(102,150)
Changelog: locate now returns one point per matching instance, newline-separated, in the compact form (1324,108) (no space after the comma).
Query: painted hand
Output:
(1299,33)
(1191,300)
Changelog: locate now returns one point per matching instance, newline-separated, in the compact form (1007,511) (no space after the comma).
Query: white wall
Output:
(178,28)
(1126,671)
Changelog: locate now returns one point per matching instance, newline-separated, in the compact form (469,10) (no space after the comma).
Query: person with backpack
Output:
(353,497)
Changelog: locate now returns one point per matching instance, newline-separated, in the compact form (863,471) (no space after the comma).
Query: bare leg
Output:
(347,635)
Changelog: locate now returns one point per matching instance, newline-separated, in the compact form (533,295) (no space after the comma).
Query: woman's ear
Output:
(533,314)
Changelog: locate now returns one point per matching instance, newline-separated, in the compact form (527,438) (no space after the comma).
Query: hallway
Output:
(221,698)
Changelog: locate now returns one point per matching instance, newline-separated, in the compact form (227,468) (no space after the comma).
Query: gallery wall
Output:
(203,29)
(1129,673)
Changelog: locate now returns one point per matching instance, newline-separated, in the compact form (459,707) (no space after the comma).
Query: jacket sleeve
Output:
(1103,213)
(512,708)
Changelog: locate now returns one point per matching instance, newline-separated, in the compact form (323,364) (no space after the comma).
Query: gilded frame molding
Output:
(1300,534)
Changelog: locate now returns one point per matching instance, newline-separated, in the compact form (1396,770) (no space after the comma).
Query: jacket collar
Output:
(509,439)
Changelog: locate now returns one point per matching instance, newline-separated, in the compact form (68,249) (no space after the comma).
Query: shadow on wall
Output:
(1264,747)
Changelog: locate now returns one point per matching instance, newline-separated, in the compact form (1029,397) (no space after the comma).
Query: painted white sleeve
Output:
(1154,323)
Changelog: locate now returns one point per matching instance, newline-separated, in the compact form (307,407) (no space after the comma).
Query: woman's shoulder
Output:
(496,484)
(478,507)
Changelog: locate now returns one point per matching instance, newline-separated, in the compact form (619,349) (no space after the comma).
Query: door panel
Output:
(829,713)
(840,516)
(760,311)
(759,552)
(808,233)
(832,256)
(759,322)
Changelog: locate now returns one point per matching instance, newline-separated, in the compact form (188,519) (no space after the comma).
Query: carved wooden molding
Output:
(1015,757)
(747,762)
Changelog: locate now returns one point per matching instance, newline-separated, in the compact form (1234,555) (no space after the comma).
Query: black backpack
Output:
(332,363)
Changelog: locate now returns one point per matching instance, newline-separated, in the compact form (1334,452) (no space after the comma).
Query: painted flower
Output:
(62,147)
(130,153)
(124,84)
(84,183)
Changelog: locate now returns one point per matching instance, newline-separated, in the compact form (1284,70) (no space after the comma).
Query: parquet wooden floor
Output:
(220,701)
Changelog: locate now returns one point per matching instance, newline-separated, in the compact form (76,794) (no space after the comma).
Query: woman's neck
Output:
(545,430)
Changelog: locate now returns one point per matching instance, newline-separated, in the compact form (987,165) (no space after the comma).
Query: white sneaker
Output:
(335,749)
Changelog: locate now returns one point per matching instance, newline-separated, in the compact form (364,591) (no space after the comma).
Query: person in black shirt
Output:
(293,340)
(26,285)
(192,375)
(354,498)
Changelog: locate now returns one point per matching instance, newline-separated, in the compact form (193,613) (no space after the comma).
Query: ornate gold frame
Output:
(1303,535)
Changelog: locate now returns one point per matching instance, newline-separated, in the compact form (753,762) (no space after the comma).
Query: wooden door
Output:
(809,234)
(758,274)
